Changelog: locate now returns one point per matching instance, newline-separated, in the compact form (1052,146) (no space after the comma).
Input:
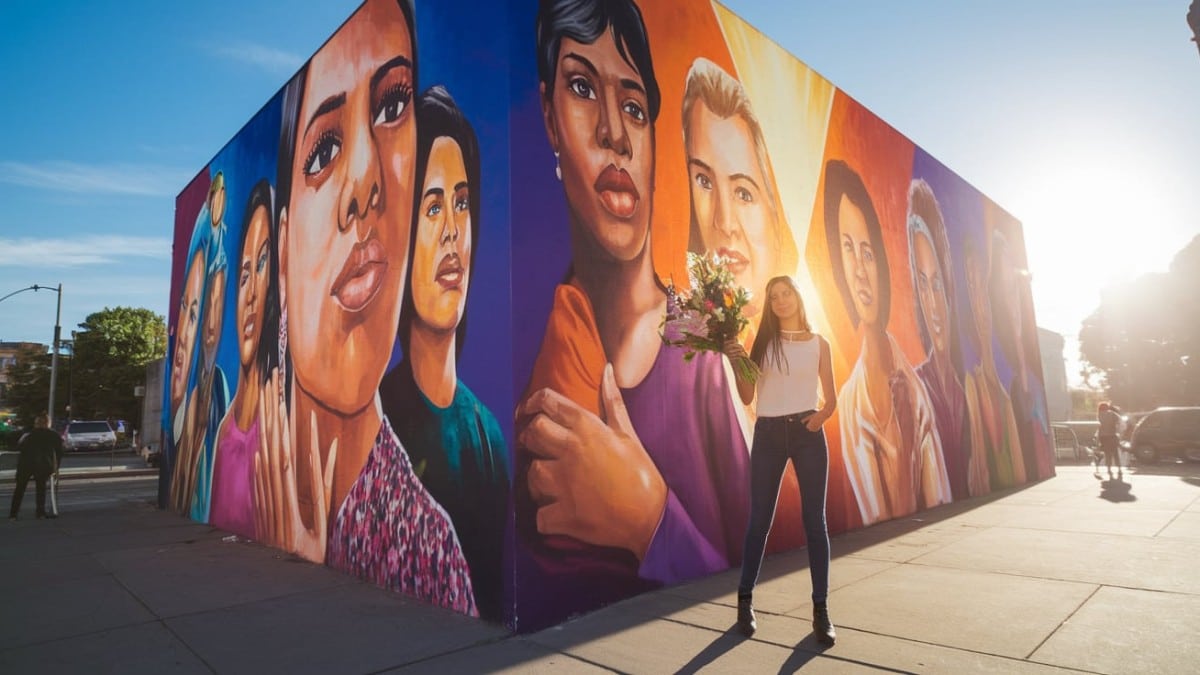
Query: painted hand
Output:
(278,518)
(592,479)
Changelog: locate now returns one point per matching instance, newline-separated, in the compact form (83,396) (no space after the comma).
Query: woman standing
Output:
(791,412)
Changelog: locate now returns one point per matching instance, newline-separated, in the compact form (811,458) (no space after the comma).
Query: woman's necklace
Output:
(795,335)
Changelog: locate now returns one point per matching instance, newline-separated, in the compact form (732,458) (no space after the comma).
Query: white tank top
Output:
(789,387)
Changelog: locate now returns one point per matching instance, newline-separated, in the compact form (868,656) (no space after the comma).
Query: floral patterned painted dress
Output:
(390,531)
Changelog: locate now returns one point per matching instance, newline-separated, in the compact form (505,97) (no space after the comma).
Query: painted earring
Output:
(557,167)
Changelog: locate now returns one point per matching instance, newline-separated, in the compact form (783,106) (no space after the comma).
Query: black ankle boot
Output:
(822,626)
(746,623)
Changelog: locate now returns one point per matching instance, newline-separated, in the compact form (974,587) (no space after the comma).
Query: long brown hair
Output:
(768,327)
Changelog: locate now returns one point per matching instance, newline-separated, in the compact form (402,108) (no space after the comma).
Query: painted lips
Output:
(618,195)
(248,324)
(361,276)
(737,262)
(450,272)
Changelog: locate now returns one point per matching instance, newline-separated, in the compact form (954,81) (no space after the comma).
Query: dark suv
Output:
(1168,433)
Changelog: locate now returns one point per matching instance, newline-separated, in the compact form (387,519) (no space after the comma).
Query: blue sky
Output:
(1079,117)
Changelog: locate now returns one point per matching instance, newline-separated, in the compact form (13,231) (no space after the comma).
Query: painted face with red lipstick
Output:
(598,121)
(730,199)
(442,250)
(344,234)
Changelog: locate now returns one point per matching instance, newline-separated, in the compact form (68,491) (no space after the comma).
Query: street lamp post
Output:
(54,353)
(57,333)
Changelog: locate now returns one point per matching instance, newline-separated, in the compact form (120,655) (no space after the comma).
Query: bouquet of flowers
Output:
(707,315)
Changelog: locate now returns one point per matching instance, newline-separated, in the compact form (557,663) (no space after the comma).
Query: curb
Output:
(81,475)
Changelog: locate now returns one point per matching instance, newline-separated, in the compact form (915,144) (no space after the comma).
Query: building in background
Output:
(9,351)
(1054,371)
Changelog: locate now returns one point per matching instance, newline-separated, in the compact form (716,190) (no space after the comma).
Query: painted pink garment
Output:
(232,505)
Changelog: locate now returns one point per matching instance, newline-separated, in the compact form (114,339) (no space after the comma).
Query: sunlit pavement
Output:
(1073,574)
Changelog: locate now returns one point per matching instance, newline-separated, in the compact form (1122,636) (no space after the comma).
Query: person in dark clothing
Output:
(41,451)
(1110,442)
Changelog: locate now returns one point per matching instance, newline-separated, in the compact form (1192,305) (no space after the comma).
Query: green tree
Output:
(1144,338)
(29,385)
(111,351)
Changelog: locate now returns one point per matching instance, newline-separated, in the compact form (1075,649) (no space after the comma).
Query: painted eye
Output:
(743,195)
(634,110)
(460,205)
(262,262)
(582,88)
(392,104)
(704,182)
(434,210)
(325,150)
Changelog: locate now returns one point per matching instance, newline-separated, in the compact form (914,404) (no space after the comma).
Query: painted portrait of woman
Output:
(995,440)
(238,436)
(1010,298)
(208,390)
(453,441)
(933,280)
(333,482)
(736,211)
(890,444)
(621,483)
(189,318)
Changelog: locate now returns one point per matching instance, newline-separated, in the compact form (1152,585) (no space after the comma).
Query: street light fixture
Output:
(57,333)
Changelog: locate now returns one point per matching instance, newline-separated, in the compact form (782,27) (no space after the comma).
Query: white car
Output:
(89,436)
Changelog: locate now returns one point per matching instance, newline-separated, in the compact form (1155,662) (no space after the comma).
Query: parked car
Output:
(1167,433)
(95,435)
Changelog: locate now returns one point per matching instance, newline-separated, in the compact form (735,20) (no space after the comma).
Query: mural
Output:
(347,381)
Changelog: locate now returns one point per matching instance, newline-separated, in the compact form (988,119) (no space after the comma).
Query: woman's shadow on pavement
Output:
(1117,491)
(807,650)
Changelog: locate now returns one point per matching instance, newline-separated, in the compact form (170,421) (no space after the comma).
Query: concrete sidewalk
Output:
(1073,574)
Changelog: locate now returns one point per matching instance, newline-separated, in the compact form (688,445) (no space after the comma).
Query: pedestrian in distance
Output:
(1110,442)
(793,361)
(41,450)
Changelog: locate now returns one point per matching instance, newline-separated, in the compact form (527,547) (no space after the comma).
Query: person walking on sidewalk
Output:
(41,450)
(1110,441)
(792,359)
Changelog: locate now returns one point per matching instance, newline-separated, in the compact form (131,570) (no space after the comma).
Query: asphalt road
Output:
(89,493)
(118,459)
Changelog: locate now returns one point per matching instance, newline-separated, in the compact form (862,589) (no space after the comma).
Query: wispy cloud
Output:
(124,179)
(275,61)
(85,250)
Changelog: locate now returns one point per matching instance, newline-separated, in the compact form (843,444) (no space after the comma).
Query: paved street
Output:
(1074,574)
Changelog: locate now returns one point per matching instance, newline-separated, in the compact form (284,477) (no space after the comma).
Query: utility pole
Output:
(54,354)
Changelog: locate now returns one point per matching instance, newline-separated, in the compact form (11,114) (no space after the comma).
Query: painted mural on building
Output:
(415,305)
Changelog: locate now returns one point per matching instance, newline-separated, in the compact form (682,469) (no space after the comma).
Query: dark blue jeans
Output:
(776,440)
